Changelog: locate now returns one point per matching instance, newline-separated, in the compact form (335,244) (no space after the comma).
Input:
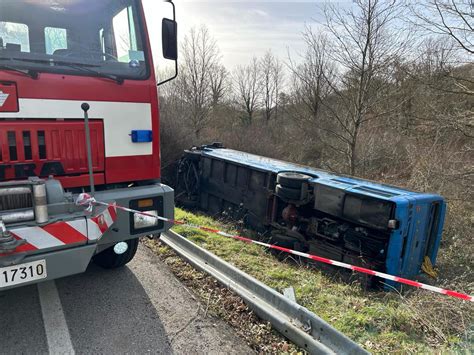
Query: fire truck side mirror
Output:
(170,39)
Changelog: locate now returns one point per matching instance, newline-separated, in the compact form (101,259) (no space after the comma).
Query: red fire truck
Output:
(78,113)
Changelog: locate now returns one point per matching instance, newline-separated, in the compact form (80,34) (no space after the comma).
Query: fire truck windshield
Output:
(78,37)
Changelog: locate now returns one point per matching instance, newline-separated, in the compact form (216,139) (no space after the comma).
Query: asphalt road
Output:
(141,308)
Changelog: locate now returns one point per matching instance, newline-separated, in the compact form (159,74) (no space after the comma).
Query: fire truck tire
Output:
(108,259)
(292,180)
(288,193)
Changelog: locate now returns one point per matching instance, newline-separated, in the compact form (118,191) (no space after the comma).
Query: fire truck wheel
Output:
(108,259)
(292,180)
(288,193)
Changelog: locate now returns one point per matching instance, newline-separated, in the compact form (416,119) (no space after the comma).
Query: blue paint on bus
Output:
(420,216)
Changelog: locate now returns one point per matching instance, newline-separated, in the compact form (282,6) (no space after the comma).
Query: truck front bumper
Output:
(73,259)
(61,263)
(158,197)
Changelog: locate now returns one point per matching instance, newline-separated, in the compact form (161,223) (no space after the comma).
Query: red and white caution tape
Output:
(86,200)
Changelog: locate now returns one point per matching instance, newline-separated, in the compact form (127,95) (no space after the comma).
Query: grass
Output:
(382,322)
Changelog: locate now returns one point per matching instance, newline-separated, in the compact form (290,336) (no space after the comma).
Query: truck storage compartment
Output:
(49,147)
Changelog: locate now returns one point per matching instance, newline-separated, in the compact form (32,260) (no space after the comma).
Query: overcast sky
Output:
(244,28)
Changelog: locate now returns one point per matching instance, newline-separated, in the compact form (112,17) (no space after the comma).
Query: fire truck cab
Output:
(55,56)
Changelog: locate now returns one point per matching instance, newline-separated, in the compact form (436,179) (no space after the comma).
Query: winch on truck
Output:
(78,113)
(351,220)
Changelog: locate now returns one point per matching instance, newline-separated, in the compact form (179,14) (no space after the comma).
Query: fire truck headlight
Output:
(141,221)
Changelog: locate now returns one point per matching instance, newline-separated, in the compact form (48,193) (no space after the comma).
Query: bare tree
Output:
(311,77)
(219,83)
(437,56)
(247,90)
(450,18)
(271,77)
(310,91)
(451,24)
(444,101)
(201,57)
(365,43)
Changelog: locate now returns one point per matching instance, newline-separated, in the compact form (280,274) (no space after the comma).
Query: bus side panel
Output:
(399,238)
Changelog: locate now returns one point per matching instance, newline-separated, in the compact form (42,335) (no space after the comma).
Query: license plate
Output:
(19,274)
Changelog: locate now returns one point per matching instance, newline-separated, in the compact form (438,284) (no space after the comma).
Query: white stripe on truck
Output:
(79,225)
(59,234)
(120,118)
(38,237)
(93,230)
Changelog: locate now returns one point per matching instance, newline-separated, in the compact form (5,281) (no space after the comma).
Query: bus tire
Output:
(292,180)
(288,193)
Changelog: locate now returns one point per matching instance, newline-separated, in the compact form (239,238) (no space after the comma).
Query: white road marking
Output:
(55,326)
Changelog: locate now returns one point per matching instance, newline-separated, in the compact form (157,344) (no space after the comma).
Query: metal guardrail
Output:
(293,321)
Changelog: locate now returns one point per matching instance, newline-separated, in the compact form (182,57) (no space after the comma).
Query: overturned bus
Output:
(360,222)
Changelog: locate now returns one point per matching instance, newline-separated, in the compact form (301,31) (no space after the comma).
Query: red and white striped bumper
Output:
(60,235)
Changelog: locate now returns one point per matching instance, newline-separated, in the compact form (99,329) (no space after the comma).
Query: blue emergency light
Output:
(142,136)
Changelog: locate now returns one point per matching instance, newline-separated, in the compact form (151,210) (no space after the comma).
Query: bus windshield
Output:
(80,37)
